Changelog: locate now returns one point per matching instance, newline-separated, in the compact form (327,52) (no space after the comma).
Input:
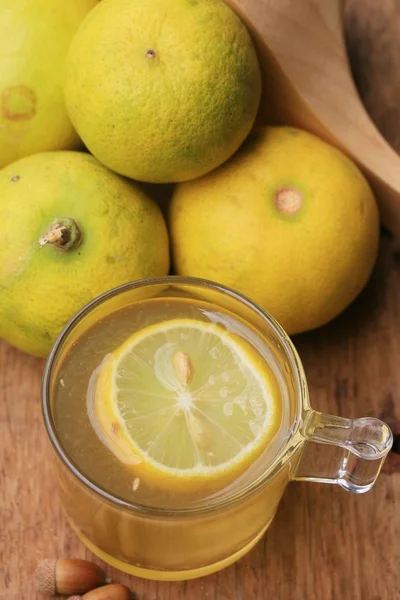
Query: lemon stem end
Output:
(63,234)
(288,200)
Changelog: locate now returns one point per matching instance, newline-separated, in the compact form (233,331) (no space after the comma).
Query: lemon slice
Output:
(185,401)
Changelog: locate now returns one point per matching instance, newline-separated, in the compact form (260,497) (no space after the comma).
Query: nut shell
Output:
(114,591)
(45,577)
(77,576)
(68,576)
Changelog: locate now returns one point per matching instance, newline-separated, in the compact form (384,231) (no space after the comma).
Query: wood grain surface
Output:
(325,544)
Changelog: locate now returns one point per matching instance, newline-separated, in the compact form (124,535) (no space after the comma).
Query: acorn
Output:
(114,591)
(68,576)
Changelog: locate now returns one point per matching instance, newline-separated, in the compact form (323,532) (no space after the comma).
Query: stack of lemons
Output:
(161,92)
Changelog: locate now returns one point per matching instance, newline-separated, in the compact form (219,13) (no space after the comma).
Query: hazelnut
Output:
(67,576)
(114,591)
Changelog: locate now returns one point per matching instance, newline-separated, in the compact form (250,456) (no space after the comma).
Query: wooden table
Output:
(325,544)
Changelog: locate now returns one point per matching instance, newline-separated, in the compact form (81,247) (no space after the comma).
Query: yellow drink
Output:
(150,526)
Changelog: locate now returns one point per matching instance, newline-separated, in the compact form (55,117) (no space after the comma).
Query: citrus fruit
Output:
(185,402)
(162,91)
(70,230)
(290,221)
(34,38)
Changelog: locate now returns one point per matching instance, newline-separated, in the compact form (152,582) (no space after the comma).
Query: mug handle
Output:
(348,452)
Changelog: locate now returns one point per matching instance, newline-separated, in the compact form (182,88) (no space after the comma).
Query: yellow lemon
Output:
(34,39)
(162,91)
(185,403)
(70,230)
(289,221)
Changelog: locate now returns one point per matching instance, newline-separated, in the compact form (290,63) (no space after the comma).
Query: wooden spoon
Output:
(308,83)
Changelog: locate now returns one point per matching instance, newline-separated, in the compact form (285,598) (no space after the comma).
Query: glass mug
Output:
(193,541)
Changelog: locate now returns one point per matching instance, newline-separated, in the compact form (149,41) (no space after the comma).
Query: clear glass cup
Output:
(189,542)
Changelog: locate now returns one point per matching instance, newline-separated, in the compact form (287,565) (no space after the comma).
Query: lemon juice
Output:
(170,403)
(179,412)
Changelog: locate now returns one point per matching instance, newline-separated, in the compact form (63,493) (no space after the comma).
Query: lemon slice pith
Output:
(185,401)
